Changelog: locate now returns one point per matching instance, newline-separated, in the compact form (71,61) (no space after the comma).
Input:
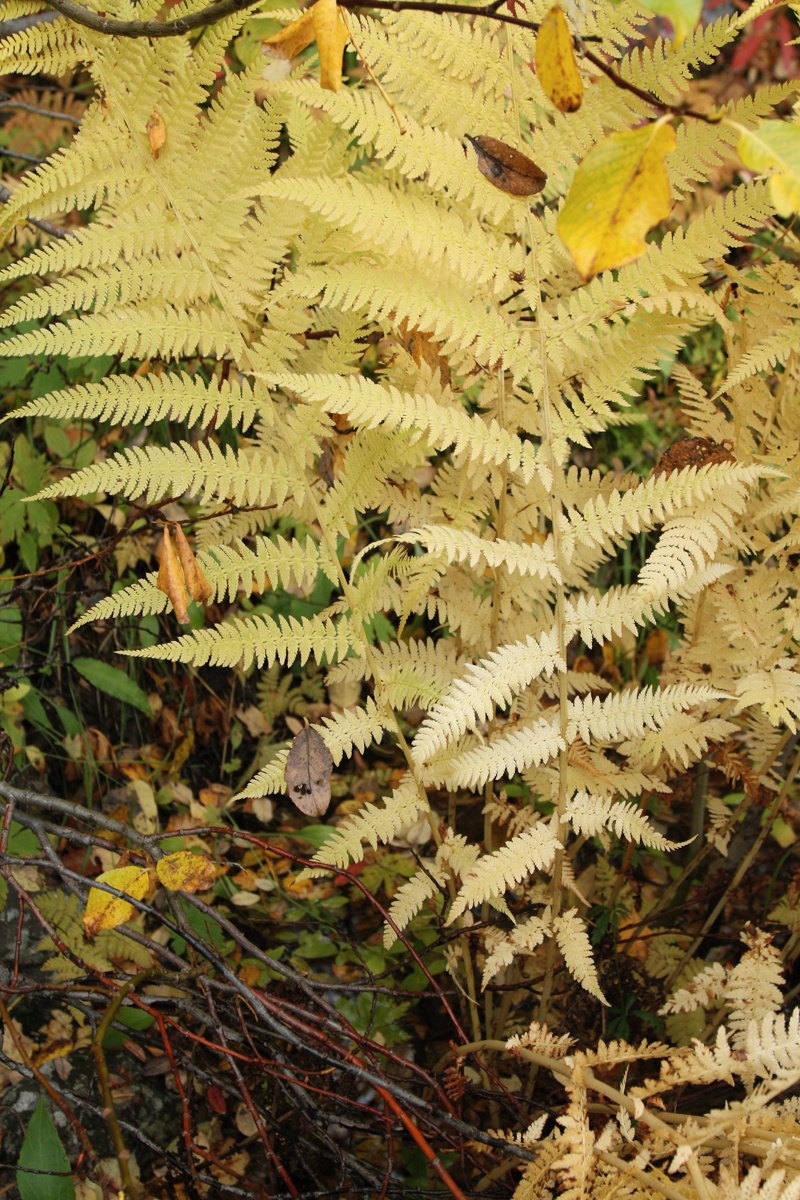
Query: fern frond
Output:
(372,825)
(573,942)
(526,745)
(228,569)
(260,639)
(369,405)
(147,330)
(48,48)
(593,815)
(495,873)
(460,545)
(248,477)
(523,939)
(628,714)
(484,686)
(129,399)
(412,672)
(775,690)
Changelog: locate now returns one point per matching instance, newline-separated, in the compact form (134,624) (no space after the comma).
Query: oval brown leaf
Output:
(507,168)
(308,773)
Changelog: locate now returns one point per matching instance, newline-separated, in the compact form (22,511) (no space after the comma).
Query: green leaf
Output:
(131,1018)
(775,146)
(682,14)
(42,1150)
(620,190)
(113,682)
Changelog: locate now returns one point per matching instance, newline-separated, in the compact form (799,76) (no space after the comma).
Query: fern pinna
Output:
(282,232)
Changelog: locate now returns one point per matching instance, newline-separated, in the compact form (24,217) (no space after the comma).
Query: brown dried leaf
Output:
(170,579)
(308,772)
(507,168)
(693,452)
(197,585)
(156,134)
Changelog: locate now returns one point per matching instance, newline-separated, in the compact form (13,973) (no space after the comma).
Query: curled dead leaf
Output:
(507,168)
(156,134)
(170,579)
(331,37)
(197,585)
(293,39)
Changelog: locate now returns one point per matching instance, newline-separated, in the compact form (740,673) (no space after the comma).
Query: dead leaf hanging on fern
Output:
(507,168)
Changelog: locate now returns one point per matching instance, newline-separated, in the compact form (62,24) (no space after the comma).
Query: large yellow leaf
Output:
(620,191)
(775,146)
(556,67)
(184,869)
(104,911)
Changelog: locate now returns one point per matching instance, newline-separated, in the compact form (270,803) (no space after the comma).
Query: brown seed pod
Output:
(308,773)
(507,168)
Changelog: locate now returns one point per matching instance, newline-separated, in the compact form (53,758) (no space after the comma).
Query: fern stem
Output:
(556,490)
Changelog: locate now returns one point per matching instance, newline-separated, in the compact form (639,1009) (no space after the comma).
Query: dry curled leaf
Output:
(170,579)
(197,585)
(308,772)
(156,134)
(693,452)
(331,38)
(555,62)
(507,168)
(293,39)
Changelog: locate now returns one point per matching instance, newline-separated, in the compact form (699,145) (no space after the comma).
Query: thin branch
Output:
(224,8)
(40,112)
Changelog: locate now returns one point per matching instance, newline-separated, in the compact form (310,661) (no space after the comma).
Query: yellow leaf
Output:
(184,869)
(292,40)
(331,37)
(156,134)
(197,585)
(104,911)
(620,191)
(170,579)
(556,67)
(775,146)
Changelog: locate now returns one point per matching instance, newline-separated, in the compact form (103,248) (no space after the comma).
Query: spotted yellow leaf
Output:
(104,911)
(555,62)
(186,870)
